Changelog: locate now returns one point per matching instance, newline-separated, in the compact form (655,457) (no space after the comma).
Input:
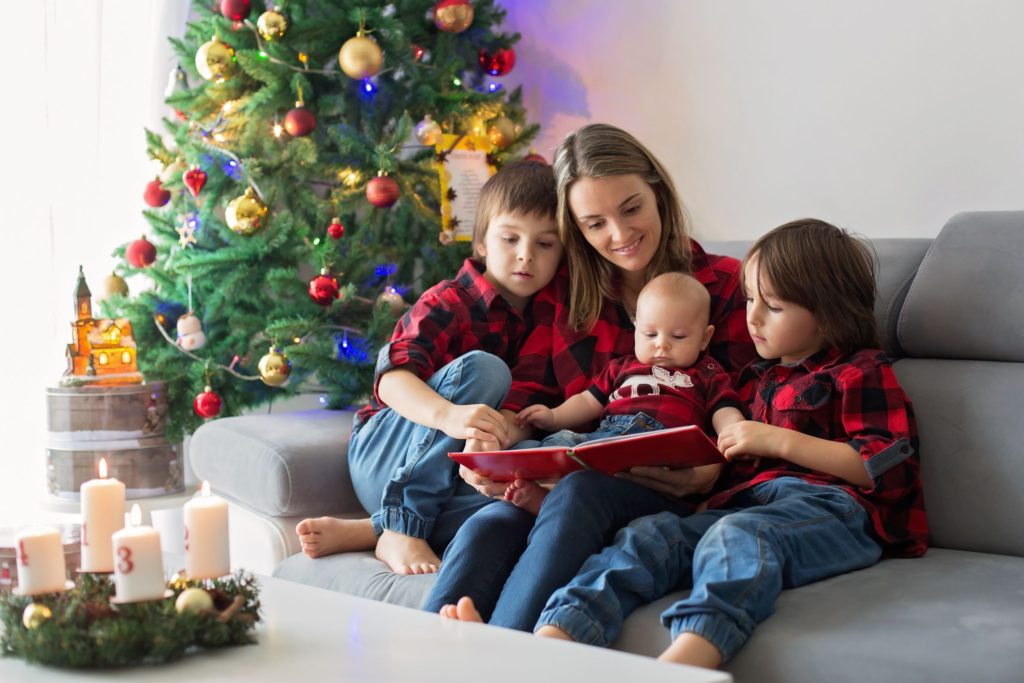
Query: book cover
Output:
(675,448)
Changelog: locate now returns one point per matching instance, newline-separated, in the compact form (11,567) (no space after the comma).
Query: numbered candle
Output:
(138,562)
(102,515)
(207,554)
(41,566)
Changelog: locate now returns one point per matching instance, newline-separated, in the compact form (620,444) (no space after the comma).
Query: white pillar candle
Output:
(102,515)
(41,566)
(207,554)
(138,562)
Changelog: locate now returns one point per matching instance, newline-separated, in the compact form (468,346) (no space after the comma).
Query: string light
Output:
(226,108)
(278,129)
(457,82)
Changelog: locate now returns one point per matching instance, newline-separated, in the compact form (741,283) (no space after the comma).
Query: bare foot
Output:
(465,610)
(328,535)
(689,648)
(549,631)
(406,554)
(526,494)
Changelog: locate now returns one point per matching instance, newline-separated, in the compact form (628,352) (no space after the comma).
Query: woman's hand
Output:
(491,489)
(749,439)
(478,421)
(675,483)
(538,415)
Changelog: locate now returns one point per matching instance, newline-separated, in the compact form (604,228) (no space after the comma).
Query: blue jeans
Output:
(510,562)
(612,425)
(782,533)
(401,470)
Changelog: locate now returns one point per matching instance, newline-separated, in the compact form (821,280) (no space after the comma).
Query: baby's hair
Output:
(826,270)
(521,187)
(684,288)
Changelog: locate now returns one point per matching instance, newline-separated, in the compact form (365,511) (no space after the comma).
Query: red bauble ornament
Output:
(155,194)
(336,229)
(499,62)
(207,404)
(140,253)
(453,16)
(299,121)
(236,10)
(194,179)
(382,192)
(536,158)
(323,289)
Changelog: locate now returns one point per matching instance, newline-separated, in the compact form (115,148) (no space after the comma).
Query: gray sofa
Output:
(952,310)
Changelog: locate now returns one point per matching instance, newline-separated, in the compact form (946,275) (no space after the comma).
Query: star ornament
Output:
(186,235)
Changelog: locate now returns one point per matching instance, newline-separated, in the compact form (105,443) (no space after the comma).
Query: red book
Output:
(674,448)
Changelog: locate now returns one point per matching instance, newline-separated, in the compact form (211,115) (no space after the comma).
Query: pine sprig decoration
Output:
(86,631)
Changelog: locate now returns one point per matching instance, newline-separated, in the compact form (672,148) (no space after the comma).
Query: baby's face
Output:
(670,333)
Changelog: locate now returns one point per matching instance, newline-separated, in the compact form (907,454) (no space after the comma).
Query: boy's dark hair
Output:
(826,270)
(523,187)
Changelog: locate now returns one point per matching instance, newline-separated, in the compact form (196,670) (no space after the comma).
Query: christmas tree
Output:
(300,202)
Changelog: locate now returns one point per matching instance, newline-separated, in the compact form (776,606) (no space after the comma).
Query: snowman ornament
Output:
(190,332)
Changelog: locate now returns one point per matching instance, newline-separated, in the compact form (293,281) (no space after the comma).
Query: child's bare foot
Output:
(526,494)
(689,648)
(406,554)
(328,535)
(464,610)
(549,631)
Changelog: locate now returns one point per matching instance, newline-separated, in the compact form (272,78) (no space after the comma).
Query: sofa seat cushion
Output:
(948,616)
(359,574)
(284,465)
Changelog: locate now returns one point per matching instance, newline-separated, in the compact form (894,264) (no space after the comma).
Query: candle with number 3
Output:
(207,555)
(102,515)
(138,562)
(41,566)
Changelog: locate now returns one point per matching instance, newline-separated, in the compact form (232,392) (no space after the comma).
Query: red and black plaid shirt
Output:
(557,360)
(448,320)
(675,397)
(855,400)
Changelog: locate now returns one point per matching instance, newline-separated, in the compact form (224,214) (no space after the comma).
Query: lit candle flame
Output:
(103,468)
(136,515)
(206,489)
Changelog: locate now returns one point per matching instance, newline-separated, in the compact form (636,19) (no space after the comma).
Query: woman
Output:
(622,224)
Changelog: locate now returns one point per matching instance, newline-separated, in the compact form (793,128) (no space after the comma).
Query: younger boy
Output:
(441,380)
(669,382)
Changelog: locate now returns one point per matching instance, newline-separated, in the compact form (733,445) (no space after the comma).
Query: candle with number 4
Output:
(138,562)
(41,566)
(206,536)
(102,515)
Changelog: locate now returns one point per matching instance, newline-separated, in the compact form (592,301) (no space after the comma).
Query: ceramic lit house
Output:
(101,351)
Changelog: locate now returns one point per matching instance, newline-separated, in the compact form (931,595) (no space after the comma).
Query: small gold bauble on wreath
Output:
(81,629)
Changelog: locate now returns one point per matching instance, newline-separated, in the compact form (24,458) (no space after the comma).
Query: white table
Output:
(309,634)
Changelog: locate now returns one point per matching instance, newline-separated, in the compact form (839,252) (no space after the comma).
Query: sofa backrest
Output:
(962,329)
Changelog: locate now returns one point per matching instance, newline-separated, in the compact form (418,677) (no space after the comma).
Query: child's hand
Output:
(749,439)
(491,489)
(537,415)
(478,421)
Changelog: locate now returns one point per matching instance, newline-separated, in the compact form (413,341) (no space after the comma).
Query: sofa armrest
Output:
(284,465)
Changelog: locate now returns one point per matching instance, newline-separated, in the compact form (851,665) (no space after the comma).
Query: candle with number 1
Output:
(138,562)
(207,555)
(102,515)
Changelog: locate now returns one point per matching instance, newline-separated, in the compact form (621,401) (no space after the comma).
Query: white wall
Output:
(885,117)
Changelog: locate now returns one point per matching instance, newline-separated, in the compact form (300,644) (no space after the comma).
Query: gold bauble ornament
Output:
(35,614)
(193,600)
(215,60)
(501,132)
(246,214)
(453,16)
(392,301)
(360,57)
(428,132)
(114,284)
(272,25)
(275,368)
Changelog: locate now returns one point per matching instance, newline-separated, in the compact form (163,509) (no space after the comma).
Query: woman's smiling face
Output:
(618,216)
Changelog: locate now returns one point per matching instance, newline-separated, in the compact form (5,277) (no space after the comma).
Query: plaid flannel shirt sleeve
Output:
(730,344)
(421,337)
